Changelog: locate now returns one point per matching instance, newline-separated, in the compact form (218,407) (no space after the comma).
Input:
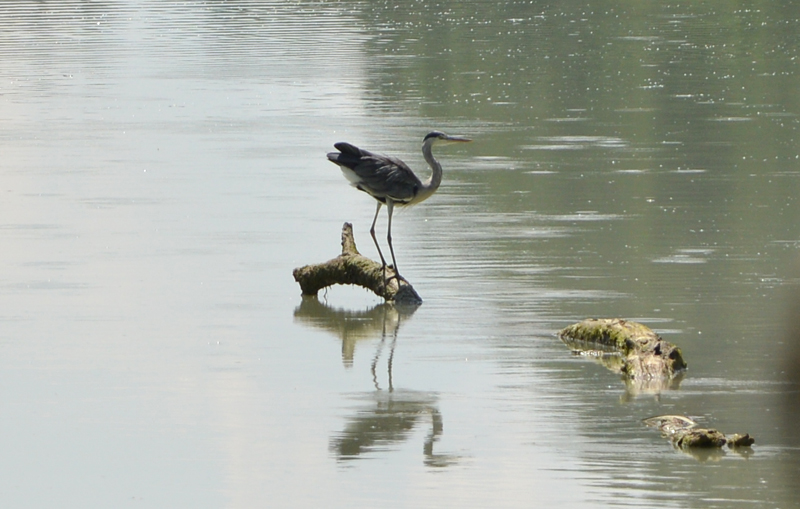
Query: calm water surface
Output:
(163,171)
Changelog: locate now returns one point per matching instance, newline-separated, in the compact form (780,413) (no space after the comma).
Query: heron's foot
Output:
(394,275)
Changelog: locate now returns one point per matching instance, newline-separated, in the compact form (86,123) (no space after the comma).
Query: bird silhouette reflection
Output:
(384,417)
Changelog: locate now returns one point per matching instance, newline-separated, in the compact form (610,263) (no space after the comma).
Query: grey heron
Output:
(389,180)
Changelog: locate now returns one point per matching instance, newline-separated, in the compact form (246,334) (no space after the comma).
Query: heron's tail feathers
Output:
(348,156)
(346,148)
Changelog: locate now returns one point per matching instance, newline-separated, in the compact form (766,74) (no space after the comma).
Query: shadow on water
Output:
(383,417)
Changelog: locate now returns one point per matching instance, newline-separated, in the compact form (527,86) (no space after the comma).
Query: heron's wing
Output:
(380,176)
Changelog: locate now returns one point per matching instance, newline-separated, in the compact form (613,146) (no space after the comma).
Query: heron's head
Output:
(439,137)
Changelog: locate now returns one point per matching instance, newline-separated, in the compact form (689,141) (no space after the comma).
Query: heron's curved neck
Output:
(431,184)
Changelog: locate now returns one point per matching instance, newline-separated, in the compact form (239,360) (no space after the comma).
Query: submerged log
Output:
(684,433)
(352,268)
(633,349)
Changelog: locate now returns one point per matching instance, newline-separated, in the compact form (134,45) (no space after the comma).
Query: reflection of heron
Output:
(395,326)
(388,418)
(390,180)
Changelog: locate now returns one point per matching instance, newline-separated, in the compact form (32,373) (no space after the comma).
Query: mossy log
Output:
(352,268)
(643,354)
(684,433)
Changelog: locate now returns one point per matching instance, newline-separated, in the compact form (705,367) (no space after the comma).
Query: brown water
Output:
(163,171)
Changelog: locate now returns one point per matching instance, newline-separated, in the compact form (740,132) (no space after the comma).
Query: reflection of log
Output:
(643,354)
(352,326)
(685,433)
(351,268)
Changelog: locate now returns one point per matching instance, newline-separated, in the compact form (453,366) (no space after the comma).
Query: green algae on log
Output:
(352,268)
(643,354)
(684,433)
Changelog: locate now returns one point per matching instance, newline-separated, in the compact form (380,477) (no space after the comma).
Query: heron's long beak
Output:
(458,138)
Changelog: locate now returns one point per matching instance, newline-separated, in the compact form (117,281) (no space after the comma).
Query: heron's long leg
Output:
(372,232)
(390,209)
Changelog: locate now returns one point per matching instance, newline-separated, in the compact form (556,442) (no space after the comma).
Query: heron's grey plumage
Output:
(380,176)
(389,180)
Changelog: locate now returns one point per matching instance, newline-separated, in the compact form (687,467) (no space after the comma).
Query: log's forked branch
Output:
(352,268)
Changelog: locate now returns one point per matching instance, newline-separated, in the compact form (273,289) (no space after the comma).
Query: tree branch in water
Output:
(352,268)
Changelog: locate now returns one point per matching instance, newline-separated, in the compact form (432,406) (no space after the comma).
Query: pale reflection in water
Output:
(351,326)
(387,416)
(613,361)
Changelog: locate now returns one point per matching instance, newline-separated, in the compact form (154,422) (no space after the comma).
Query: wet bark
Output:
(684,433)
(634,350)
(352,268)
